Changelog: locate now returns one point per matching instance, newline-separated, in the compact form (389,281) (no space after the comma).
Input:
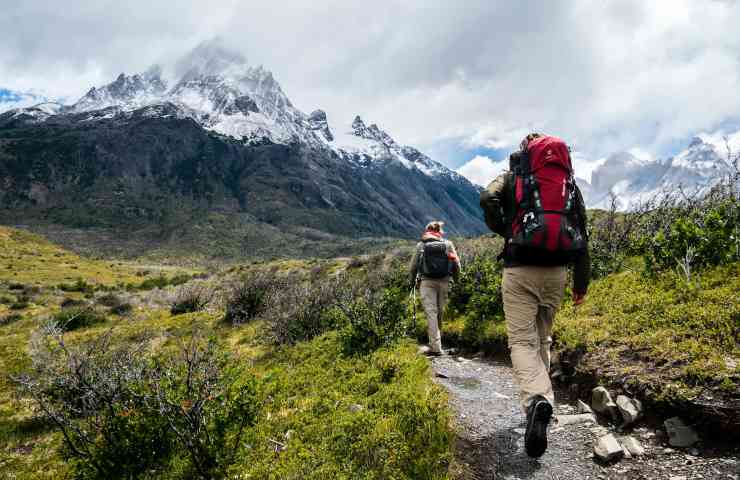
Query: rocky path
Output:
(491,436)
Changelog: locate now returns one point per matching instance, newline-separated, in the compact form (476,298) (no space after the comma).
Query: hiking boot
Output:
(539,413)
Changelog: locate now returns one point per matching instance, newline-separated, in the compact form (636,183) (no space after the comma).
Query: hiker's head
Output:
(435,227)
(529,138)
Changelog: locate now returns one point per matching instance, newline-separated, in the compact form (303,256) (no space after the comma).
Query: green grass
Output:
(28,258)
(309,393)
(678,337)
(375,416)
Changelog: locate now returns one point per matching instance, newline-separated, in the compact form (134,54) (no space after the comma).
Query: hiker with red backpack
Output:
(538,209)
(434,263)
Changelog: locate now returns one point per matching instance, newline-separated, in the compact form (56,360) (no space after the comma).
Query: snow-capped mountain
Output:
(695,169)
(223,93)
(219,136)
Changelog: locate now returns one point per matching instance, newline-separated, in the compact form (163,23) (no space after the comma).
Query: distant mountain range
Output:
(632,180)
(223,152)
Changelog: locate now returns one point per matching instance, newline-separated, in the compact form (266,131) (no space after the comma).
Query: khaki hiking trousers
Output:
(532,296)
(433,293)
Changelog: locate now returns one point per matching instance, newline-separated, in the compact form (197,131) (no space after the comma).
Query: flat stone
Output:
(608,449)
(630,409)
(575,419)
(680,434)
(677,477)
(355,408)
(582,407)
(632,445)
(424,350)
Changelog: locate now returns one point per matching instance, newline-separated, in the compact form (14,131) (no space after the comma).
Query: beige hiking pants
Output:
(532,296)
(433,293)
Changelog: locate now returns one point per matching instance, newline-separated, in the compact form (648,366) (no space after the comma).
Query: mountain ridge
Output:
(142,154)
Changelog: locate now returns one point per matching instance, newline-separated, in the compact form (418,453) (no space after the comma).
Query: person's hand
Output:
(578,298)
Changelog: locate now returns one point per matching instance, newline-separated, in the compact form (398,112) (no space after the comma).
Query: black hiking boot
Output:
(539,413)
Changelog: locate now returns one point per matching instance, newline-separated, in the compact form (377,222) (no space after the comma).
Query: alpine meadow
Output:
(503,242)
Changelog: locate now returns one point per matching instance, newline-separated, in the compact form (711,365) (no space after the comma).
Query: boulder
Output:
(680,434)
(630,409)
(608,449)
(601,402)
(632,445)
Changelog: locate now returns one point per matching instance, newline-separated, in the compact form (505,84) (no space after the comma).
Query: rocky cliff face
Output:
(223,139)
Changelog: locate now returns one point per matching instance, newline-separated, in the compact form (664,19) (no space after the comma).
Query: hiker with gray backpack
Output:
(538,209)
(434,263)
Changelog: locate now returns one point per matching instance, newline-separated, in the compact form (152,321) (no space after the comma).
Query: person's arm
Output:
(414,266)
(455,259)
(582,265)
(493,203)
(581,276)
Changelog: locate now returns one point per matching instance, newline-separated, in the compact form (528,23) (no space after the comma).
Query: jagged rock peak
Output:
(317,122)
(696,141)
(358,125)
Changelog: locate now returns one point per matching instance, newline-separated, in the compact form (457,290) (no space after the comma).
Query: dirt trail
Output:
(491,436)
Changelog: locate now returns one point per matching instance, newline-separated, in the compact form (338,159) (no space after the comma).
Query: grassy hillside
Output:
(31,259)
(317,410)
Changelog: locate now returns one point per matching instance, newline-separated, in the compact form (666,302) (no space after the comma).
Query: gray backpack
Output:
(433,259)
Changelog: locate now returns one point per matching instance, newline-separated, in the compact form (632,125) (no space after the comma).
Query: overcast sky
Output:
(461,80)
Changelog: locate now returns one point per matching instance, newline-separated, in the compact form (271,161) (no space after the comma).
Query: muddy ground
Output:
(491,436)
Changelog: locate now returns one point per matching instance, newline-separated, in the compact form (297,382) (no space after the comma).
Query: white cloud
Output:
(606,76)
(481,170)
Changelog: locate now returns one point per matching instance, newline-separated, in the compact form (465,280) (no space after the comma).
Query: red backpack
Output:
(546,217)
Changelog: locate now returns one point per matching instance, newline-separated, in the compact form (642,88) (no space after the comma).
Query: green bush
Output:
(306,310)
(708,237)
(21,303)
(75,318)
(122,309)
(126,414)
(374,320)
(79,286)
(12,318)
(193,298)
(109,300)
(249,298)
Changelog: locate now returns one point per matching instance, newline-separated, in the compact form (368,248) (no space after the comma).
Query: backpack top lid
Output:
(548,151)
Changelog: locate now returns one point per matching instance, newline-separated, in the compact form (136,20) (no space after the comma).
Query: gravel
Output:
(491,436)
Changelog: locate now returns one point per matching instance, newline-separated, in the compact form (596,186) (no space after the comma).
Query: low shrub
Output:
(249,298)
(179,416)
(74,318)
(704,238)
(191,298)
(122,309)
(72,303)
(16,286)
(373,320)
(304,311)
(12,318)
(109,300)
(21,303)
(79,286)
